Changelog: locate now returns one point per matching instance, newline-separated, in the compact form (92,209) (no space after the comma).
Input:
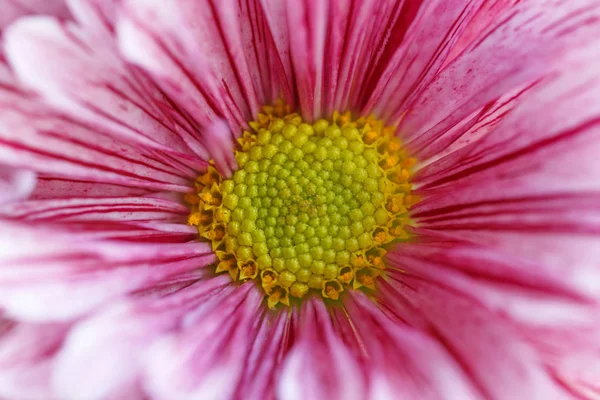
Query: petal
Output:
(487,346)
(195,51)
(205,359)
(35,136)
(84,77)
(270,343)
(15,184)
(13,9)
(113,342)
(403,362)
(97,209)
(27,353)
(332,48)
(50,274)
(319,366)
(525,45)
(435,29)
(523,291)
(529,187)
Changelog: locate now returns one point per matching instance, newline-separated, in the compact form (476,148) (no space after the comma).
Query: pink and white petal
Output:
(13,9)
(49,187)
(502,282)
(205,358)
(529,187)
(486,345)
(274,20)
(113,342)
(138,209)
(270,344)
(35,136)
(15,184)
(195,51)
(572,356)
(51,274)
(84,76)
(135,219)
(526,44)
(218,139)
(427,43)
(403,362)
(27,354)
(359,31)
(319,366)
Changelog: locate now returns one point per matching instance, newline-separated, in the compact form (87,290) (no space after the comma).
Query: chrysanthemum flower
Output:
(311,199)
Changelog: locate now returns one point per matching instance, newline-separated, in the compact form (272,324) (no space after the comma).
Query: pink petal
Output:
(487,345)
(319,366)
(332,47)
(27,354)
(196,53)
(13,9)
(53,274)
(35,136)
(270,344)
(402,362)
(15,184)
(113,342)
(526,44)
(529,187)
(205,359)
(501,282)
(49,187)
(428,41)
(83,76)
(97,209)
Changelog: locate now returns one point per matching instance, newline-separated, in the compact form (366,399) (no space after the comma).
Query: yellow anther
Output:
(332,289)
(191,198)
(346,274)
(276,295)
(211,197)
(399,175)
(370,137)
(357,260)
(395,204)
(380,236)
(390,161)
(227,263)
(269,278)
(194,219)
(409,162)
(248,269)
(364,277)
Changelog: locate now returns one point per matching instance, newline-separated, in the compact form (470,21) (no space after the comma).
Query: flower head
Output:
(299,199)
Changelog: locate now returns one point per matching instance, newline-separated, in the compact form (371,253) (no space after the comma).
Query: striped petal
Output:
(55,274)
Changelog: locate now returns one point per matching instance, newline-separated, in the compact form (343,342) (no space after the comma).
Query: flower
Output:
(116,115)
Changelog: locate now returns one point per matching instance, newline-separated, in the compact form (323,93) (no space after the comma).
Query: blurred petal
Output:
(13,9)
(53,274)
(27,353)
(83,76)
(113,343)
(15,184)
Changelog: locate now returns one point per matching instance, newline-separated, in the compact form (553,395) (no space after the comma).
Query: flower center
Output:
(310,207)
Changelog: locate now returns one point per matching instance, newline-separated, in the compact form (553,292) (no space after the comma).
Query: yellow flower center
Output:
(311,206)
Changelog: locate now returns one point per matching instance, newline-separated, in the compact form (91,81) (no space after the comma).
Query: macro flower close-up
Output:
(299,199)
